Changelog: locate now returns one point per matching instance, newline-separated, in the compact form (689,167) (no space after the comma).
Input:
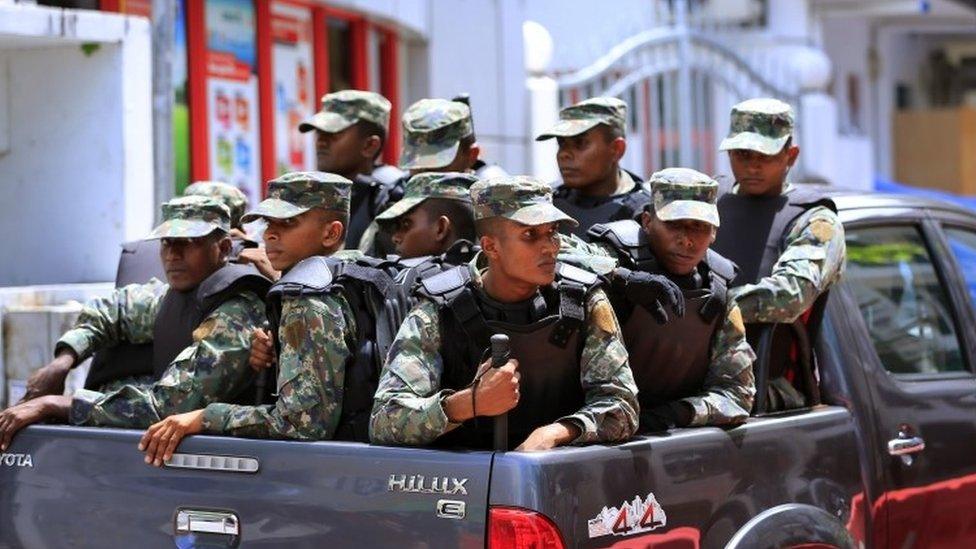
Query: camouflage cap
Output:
(762,125)
(191,217)
(521,198)
(432,131)
(344,108)
(231,196)
(448,185)
(295,193)
(585,115)
(683,193)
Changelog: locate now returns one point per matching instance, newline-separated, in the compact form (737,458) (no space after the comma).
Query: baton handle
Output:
(500,351)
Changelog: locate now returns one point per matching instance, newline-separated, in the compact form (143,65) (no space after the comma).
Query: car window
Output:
(963,245)
(901,298)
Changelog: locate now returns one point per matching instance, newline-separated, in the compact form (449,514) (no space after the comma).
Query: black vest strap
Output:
(721,272)
(629,239)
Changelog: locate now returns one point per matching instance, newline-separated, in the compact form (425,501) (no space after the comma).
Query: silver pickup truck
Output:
(888,459)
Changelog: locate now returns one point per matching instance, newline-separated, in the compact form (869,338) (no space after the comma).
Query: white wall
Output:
(476,47)
(78,177)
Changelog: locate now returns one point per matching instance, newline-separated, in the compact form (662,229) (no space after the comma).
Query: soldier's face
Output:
(417,234)
(588,158)
(679,245)
(339,152)
(189,261)
(523,254)
(288,241)
(762,174)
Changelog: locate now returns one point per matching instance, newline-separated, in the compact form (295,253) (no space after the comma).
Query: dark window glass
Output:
(902,300)
(340,54)
(963,245)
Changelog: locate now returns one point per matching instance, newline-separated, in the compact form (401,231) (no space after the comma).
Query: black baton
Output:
(499,357)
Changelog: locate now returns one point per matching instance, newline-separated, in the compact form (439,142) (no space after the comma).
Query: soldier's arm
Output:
(598,258)
(313,336)
(730,387)
(212,369)
(812,260)
(408,405)
(611,410)
(127,314)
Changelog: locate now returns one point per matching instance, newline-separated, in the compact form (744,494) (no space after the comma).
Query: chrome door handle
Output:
(207,522)
(905,445)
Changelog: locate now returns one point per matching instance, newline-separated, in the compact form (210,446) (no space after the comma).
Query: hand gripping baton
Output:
(499,357)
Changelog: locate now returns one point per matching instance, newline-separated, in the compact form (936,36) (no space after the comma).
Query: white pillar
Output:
(543,99)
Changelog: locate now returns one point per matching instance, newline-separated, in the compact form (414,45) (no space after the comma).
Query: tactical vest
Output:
(548,351)
(753,234)
(754,228)
(591,210)
(370,196)
(378,306)
(179,314)
(669,361)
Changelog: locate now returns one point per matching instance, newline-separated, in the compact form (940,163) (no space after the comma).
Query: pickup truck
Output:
(888,459)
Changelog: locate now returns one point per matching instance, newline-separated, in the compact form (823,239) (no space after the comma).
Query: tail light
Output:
(514,528)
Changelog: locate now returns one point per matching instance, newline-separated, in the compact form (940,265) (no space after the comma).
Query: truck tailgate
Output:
(86,487)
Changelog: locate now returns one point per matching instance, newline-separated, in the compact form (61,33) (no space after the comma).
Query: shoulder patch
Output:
(735,317)
(576,274)
(822,230)
(204,330)
(603,317)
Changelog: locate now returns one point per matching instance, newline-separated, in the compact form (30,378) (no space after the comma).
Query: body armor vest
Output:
(591,210)
(669,361)
(753,235)
(179,314)
(548,351)
(378,306)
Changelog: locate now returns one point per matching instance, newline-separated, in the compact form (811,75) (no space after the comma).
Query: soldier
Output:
(787,240)
(198,326)
(694,368)
(350,132)
(438,136)
(574,385)
(314,326)
(594,188)
(434,215)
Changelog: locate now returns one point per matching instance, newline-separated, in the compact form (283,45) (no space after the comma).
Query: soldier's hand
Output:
(549,436)
(161,439)
(259,258)
(498,391)
(656,293)
(262,350)
(17,417)
(49,380)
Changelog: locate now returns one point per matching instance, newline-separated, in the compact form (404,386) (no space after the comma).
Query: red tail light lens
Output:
(514,528)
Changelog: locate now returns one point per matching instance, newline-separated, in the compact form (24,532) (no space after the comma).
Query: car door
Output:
(919,318)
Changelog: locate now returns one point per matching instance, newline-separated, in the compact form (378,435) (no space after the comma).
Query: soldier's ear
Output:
(224,244)
(619,147)
(791,154)
(372,146)
(474,152)
(489,246)
(443,228)
(333,233)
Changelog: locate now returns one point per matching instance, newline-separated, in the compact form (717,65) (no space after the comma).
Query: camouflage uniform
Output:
(629,198)
(213,367)
(408,406)
(813,258)
(313,338)
(729,386)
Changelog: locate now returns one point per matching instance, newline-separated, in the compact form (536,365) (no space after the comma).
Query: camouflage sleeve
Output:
(212,369)
(812,261)
(730,387)
(611,410)
(407,408)
(126,315)
(315,337)
(597,258)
